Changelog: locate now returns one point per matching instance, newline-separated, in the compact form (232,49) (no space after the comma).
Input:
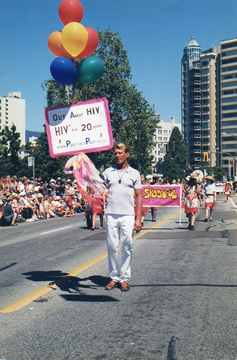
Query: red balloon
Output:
(70,11)
(92,43)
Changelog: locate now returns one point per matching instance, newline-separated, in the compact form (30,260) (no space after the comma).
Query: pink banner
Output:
(161,195)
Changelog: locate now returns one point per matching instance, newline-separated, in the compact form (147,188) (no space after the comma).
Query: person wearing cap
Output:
(209,197)
(191,195)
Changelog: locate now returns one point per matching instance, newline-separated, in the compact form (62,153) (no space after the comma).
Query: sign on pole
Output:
(31,160)
(83,127)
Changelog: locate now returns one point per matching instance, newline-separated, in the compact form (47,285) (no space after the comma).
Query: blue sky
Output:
(154,33)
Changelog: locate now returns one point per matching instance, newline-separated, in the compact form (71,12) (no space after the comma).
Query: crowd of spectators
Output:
(27,200)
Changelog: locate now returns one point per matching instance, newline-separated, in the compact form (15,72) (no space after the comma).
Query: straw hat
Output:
(193,176)
(209,178)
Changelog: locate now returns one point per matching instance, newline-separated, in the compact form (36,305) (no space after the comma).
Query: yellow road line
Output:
(26,300)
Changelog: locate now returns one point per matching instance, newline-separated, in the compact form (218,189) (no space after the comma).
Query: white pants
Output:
(119,227)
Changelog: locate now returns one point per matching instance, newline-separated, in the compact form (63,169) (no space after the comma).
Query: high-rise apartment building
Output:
(12,111)
(209,104)
(191,100)
(228,108)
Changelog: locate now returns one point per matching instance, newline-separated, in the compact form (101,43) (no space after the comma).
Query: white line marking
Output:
(48,232)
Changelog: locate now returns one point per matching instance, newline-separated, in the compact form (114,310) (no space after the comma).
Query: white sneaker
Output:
(29,220)
(35,218)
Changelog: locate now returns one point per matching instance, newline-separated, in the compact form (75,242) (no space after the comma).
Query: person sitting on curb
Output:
(9,217)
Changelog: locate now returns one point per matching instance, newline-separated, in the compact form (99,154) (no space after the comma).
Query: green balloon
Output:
(89,70)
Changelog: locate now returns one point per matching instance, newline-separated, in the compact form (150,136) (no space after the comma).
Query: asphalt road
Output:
(182,303)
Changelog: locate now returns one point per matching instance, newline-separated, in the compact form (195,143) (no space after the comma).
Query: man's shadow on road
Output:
(72,284)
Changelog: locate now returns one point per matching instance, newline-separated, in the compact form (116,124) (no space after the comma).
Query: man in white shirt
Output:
(123,183)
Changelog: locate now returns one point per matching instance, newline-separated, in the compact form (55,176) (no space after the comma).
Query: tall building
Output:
(209,104)
(12,111)
(161,138)
(210,114)
(191,100)
(228,111)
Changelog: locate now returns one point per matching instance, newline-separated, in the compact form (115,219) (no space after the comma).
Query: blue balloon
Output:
(89,70)
(63,70)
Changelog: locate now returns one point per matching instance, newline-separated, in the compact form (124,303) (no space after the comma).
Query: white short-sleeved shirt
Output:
(210,189)
(121,198)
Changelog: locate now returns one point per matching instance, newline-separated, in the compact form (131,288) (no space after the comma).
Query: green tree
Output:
(133,120)
(176,159)
(45,166)
(217,172)
(9,150)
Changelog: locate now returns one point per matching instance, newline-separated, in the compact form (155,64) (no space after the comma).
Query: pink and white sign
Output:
(161,195)
(83,127)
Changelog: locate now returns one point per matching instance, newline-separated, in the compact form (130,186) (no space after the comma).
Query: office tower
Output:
(191,101)
(12,111)
(228,113)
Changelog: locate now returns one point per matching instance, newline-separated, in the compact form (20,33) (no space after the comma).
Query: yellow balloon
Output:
(74,38)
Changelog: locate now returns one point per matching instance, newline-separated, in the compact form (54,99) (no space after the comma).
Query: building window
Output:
(205,86)
(229,53)
(205,102)
(231,99)
(229,45)
(229,115)
(230,76)
(205,133)
(229,83)
(229,68)
(228,61)
(205,78)
(229,123)
(229,107)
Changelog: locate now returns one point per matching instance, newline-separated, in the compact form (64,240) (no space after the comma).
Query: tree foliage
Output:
(45,166)
(133,120)
(176,159)
(9,149)
(217,172)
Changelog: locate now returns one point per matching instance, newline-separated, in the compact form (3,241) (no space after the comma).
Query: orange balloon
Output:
(55,45)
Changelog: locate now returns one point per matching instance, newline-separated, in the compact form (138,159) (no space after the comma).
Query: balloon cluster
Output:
(73,47)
